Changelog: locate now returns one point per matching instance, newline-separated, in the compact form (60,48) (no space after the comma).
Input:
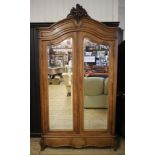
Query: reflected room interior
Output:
(60,85)
(96,68)
(60,73)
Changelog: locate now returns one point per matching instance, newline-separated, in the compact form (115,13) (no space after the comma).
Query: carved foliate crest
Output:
(78,13)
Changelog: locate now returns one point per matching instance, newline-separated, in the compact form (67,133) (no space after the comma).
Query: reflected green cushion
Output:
(93,86)
(95,92)
(106,86)
(100,101)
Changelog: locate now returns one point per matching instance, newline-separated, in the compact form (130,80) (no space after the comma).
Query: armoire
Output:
(78,82)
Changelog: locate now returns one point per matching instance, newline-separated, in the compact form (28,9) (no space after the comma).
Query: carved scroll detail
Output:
(78,13)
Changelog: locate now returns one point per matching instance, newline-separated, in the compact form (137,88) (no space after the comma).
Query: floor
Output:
(60,111)
(35,150)
(60,108)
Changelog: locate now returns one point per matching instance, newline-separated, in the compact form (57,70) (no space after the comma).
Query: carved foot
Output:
(42,145)
(116,143)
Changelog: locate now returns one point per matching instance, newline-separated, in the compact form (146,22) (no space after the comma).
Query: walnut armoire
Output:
(93,49)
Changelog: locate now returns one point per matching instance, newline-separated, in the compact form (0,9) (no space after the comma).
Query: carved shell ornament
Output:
(78,13)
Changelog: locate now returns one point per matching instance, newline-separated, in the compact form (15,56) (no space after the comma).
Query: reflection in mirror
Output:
(96,73)
(60,85)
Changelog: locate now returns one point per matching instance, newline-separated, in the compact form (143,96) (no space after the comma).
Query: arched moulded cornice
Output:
(77,20)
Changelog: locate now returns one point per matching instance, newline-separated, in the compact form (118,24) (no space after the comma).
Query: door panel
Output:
(95,83)
(59,59)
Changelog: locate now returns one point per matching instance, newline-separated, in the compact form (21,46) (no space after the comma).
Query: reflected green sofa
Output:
(95,92)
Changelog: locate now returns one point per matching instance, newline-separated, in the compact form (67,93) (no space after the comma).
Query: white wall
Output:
(121,13)
(55,10)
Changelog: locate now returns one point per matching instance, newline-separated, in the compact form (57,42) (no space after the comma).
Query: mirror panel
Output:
(96,75)
(60,86)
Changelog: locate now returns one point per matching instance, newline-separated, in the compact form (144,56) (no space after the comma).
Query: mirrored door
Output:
(60,85)
(95,85)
